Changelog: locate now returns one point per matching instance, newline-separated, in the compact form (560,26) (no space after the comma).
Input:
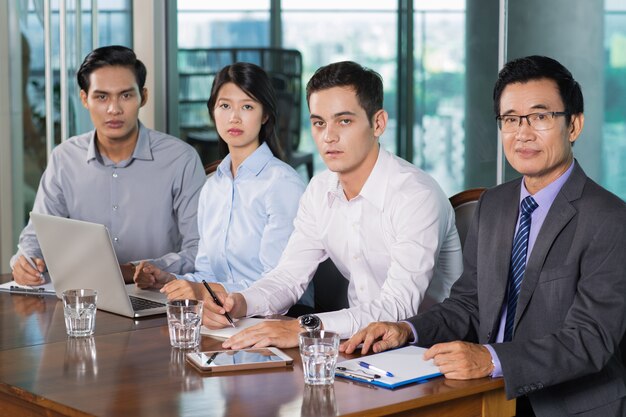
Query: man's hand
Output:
(461,360)
(279,333)
(147,275)
(213,315)
(25,274)
(180,289)
(379,336)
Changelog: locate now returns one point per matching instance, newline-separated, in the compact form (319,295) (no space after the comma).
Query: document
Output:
(14,287)
(227,332)
(405,364)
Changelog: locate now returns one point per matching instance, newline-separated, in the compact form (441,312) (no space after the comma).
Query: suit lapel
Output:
(559,215)
(501,244)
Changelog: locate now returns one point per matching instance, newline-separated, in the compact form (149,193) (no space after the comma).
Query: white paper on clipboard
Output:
(406,364)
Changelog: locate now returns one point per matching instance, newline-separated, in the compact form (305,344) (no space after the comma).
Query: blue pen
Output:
(373,368)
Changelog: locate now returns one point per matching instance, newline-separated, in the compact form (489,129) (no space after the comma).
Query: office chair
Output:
(288,125)
(464,204)
(330,290)
(211,167)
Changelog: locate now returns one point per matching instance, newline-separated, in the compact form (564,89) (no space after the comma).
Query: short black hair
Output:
(255,82)
(367,84)
(114,55)
(538,67)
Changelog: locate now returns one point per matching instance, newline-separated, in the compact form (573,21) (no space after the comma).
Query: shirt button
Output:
(115,175)
(116,239)
(355,257)
(115,207)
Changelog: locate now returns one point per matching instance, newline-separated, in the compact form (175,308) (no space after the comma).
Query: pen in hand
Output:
(218,302)
(373,368)
(29,259)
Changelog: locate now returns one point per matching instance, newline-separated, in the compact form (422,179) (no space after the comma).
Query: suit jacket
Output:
(571,310)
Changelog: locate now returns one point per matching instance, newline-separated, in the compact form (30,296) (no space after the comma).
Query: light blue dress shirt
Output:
(245,222)
(148,202)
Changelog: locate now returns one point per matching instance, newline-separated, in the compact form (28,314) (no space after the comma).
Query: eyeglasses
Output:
(538,121)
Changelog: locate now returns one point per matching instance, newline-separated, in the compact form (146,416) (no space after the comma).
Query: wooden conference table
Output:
(129,369)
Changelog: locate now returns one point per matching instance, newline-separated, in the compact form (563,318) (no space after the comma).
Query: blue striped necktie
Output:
(518,264)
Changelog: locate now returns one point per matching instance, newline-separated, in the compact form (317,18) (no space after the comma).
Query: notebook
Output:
(406,364)
(80,254)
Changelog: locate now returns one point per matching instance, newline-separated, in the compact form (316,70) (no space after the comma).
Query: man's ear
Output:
(379,122)
(83,98)
(144,96)
(576,125)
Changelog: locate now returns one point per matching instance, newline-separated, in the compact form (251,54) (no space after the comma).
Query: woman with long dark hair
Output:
(246,209)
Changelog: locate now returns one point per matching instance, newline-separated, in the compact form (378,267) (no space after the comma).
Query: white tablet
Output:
(234,360)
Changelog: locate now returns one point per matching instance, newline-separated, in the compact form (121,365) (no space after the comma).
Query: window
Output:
(439,91)
(614,129)
(223,24)
(114,27)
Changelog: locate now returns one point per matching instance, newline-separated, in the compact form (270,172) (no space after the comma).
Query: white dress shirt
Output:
(390,241)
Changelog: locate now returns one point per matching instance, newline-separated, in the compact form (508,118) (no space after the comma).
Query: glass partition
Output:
(45,123)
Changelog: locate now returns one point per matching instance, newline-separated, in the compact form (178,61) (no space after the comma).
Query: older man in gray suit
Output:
(542,299)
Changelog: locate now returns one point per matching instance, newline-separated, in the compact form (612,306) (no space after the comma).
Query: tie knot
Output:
(529,205)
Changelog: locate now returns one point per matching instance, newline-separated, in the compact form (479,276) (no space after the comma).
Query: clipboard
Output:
(15,288)
(406,364)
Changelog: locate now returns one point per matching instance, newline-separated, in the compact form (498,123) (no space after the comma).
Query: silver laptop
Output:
(80,254)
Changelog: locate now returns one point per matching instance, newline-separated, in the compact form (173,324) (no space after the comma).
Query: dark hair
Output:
(537,67)
(253,80)
(367,84)
(114,55)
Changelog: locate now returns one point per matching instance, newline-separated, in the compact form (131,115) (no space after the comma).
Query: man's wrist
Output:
(496,370)
(310,322)
(241,306)
(411,338)
(169,277)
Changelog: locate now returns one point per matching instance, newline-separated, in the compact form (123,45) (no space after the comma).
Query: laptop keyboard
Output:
(143,304)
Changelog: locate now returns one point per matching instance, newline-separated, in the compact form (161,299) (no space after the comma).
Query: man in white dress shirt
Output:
(386,225)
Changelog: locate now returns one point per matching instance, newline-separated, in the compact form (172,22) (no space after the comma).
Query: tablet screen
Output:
(237,357)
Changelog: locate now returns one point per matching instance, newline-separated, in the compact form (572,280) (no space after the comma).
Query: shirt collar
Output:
(92,151)
(142,149)
(254,163)
(545,197)
(374,188)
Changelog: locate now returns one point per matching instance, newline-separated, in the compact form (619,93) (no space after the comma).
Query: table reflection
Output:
(26,305)
(319,401)
(190,379)
(81,358)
